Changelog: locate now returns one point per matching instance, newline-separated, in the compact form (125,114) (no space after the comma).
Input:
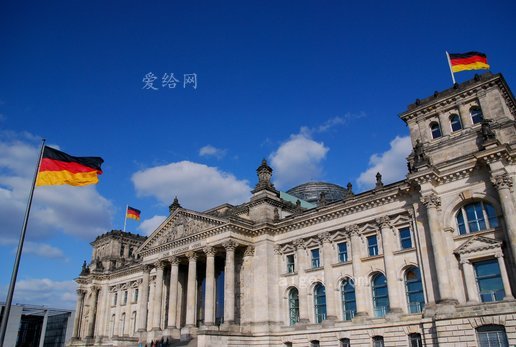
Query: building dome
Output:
(311,192)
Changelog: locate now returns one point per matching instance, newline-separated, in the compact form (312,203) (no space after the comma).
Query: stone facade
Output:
(426,261)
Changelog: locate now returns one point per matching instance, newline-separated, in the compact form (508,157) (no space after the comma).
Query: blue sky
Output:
(315,87)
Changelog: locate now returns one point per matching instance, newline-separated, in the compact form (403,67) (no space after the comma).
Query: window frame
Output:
(488,217)
(315,261)
(488,329)
(415,340)
(479,116)
(378,341)
(490,278)
(379,311)
(375,247)
(348,282)
(345,342)
(435,130)
(409,293)
(291,266)
(293,306)
(402,239)
(320,310)
(456,120)
(345,257)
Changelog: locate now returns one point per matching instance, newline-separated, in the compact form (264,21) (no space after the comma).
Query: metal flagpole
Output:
(125,218)
(10,293)
(449,64)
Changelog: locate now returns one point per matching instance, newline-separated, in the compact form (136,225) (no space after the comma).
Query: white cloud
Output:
(391,164)
(197,186)
(44,291)
(79,211)
(212,151)
(149,225)
(297,160)
(35,248)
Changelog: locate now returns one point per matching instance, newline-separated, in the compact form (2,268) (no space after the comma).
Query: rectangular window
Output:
(115,299)
(343,252)
(135,295)
(291,265)
(405,238)
(316,260)
(372,245)
(124,301)
(489,280)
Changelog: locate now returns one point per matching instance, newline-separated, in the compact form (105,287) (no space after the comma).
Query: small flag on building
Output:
(468,61)
(133,213)
(58,168)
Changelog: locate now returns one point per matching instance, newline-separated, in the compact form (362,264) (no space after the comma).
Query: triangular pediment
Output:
(478,244)
(180,224)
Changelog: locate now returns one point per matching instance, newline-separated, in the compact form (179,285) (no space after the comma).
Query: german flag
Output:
(133,213)
(468,61)
(57,168)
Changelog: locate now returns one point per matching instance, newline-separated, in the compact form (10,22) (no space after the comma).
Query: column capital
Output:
(277,249)
(94,288)
(353,230)
(173,260)
(299,244)
(465,261)
(229,245)
(209,251)
(192,256)
(384,222)
(147,268)
(325,237)
(502,181)
(431,201)
(160,264)
(498,255)
(80,292)
(249,251)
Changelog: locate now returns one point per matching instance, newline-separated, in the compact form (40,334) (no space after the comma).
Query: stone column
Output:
(158,296)
(469,277)
(93,311)
(358,278)
(229,283)
(172,295)
(505,277)
(191,289)
(209,296)
(432,202)
(390,267)
(144,297)
(331,308)
(78,313)
(302,290)
(503,184)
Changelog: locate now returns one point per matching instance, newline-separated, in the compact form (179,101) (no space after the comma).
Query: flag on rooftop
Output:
(133,213)
(57,168)
(468,61)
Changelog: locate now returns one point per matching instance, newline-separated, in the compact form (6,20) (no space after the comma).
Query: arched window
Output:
(293,306)
(435,128)
(112,324)
(122,324)
(380,295)
(319,303)
(489,280)
(414,290)
(455,122)
(476,114)
(345,342)
(476,216)
(133,318)
(415,340)
(349,302)
(492,336)
(378,341)
(314,343)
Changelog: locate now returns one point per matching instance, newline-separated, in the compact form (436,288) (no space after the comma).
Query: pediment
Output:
(182,223)
(478,244)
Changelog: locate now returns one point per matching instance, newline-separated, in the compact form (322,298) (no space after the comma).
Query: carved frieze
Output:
(503,181)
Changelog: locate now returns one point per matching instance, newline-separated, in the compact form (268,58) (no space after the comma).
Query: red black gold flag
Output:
(57,168)
(468,61)
(133,213)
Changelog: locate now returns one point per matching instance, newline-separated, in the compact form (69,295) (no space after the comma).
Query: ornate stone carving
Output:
(379,183)
(502,181)
(264,173)
(276,215)
(80,292)
(325,237)
(384,222)
(486,131)
(249,251)
(277,249)
(173,260)
(431,201)
(229,245)
(160,264)
(299,244)
(353,230)
(147,268)
(174,206)
(182,226)
(209,251)
(192,256)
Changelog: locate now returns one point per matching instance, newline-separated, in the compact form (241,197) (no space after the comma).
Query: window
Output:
(287,344)
(476,114)
(349,302)
(291,265)
(124,301)
(405,238)
(135,295)
(319,303)
(476,216)
(378,341)
(415,340)
(489,280)
(380,295)
(122,248)
(112,324)
(345,342)
(435,129)
(131,249)
(122,324)
(293,306)
(316,260)
(115,299)
(455,122)
(133,318)
(343,252)
(414,290)
(372,245)
(314,343)
(492,336)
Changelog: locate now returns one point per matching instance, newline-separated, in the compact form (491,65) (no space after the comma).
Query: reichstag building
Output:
(426,261)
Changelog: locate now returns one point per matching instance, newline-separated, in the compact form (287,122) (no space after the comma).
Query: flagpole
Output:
(9,299)
(449,64)
(125,218)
